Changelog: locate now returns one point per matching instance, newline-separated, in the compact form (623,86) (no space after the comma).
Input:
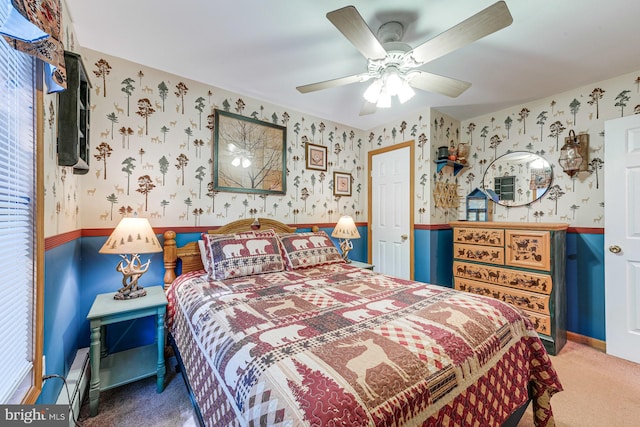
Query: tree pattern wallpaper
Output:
(152,139)
(541,127)
(152,154)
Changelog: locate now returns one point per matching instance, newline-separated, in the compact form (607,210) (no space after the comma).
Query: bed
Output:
(316,341)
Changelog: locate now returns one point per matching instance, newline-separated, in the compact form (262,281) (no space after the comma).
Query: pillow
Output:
(203,254)
(309,249)
(242,254)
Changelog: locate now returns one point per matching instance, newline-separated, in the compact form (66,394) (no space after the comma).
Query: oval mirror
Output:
(517,178)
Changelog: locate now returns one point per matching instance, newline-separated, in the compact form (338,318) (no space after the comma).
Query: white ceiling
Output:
(264,49)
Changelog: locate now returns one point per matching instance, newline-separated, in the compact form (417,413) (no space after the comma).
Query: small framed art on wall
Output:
(341,184)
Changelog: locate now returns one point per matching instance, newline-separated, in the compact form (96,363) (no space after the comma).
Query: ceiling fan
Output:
(393,65)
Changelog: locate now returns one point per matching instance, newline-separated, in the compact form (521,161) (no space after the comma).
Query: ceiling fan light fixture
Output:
(405,93)
(393,81)
(384,101)
(373,91)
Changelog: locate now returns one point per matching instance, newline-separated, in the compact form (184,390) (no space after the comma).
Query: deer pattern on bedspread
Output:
(338,345)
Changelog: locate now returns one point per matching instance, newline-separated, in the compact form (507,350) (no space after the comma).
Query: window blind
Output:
(17,219)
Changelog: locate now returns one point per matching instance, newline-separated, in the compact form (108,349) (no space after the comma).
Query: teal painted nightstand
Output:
(116,369)
(362,265)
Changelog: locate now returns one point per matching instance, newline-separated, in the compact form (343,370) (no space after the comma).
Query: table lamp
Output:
(132,236)
(345,230)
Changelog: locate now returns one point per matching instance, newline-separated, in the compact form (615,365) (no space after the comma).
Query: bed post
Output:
(170,257)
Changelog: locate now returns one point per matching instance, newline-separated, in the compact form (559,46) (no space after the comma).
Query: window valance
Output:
(34,27)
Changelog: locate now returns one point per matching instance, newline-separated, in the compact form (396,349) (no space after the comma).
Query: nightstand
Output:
(362,265)
(115,369)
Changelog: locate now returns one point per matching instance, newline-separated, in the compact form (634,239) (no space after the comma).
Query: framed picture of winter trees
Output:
(249,155)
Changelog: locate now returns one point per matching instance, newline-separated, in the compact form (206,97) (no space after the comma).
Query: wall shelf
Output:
(73,117)
(457,167)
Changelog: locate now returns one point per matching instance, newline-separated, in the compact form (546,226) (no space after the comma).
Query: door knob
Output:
(404,237)
(615,249)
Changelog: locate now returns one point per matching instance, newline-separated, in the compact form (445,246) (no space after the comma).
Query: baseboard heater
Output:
(77,381)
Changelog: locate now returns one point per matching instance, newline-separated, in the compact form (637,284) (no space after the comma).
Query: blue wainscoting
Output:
(62,316)
(75,273)
(585,285)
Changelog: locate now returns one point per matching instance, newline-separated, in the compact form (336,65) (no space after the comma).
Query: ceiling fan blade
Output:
(439,84)
(327,84)
(356,30)
(368,108)
(483,23)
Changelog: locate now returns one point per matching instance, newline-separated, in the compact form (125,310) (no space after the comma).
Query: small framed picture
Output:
(341,184)
(316,157)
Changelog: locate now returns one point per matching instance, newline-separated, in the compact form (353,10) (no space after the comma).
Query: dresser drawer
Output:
(541,322)
(489,254)
(529,249)
(526,281)
(520,263)
(478,236)
(526,300)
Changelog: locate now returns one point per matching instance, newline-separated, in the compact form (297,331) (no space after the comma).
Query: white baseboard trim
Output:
(77,381)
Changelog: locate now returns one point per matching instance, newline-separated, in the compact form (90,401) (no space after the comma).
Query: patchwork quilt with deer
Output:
(336,345)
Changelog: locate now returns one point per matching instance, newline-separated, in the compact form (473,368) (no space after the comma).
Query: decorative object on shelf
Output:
(480,204)
(249,155)
(345,230)
(341,184)
(445,195)
(316,156)
(443,152)
(132,236)
(574,153)
(463,153)
(453,153)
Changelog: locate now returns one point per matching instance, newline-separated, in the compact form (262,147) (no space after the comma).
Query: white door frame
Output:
(411,166)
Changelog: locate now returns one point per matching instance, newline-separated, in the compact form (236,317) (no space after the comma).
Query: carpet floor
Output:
(599,391)
(138,405)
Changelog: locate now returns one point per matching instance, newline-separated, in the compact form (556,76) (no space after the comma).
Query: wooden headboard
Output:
(189,254)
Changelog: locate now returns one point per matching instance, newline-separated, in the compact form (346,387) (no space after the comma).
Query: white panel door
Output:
(391,238)
(622,237)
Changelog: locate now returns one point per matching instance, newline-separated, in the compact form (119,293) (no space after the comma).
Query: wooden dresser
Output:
(520,263)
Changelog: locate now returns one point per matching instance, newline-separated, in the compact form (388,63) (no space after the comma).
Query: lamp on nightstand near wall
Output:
(132,236)
(345,230)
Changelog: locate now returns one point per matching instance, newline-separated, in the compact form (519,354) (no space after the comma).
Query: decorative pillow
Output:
(242,254)
(309,249)
(203,254)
